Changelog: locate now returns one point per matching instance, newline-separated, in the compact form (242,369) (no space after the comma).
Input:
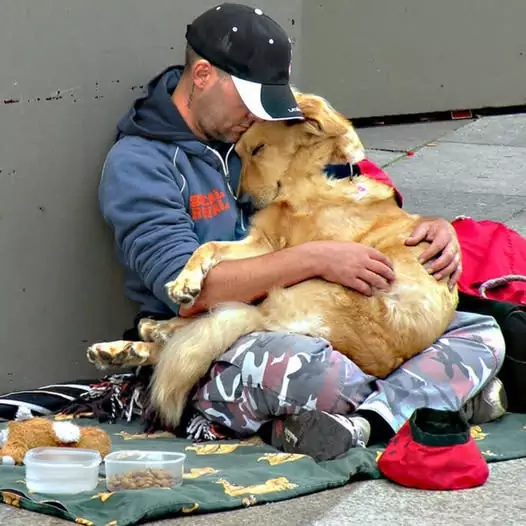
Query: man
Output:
(170,184)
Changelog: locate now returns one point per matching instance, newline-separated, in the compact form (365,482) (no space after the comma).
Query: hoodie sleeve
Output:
(142,202)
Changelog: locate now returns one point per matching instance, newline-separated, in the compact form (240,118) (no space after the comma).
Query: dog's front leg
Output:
(187,287)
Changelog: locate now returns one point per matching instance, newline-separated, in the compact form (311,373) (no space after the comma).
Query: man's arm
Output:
(141,201)
(250,279)
(350,264)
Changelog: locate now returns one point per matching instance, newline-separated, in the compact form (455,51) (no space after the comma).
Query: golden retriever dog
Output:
(283,169)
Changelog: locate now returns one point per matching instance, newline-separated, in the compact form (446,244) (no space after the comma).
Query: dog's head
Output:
(273,153)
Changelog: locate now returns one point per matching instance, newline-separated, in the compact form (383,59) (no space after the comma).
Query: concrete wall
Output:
(70,68)
(384,57)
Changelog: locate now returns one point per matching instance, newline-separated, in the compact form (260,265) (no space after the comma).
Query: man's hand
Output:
(444,249)
(188,312)
(353,265)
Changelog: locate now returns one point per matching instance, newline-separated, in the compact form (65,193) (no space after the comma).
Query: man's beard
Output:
(225,137)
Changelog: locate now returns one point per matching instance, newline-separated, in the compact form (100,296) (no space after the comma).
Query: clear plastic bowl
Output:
(134,469)
(62,470)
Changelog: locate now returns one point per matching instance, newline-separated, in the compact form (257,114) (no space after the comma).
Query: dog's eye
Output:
(257,149)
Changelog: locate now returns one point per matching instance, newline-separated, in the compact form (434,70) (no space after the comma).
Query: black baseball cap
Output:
(256,52)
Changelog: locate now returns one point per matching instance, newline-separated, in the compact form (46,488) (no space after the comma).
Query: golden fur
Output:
(299,203)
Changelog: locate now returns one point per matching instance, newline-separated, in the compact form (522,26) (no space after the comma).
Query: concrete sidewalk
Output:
(474,168)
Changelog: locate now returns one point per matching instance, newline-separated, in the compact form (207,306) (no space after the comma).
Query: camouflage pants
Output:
(265,375)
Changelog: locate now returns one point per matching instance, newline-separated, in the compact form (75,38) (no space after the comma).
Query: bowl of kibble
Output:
(133,469)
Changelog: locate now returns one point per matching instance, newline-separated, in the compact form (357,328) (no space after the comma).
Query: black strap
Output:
(342,171)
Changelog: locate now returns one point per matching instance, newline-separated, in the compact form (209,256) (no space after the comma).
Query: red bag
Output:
(434,450)
(493,260)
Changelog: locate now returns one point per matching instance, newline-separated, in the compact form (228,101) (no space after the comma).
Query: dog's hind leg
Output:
(123,353)
(160,330)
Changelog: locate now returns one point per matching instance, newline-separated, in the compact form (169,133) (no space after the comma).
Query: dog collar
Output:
(342,171)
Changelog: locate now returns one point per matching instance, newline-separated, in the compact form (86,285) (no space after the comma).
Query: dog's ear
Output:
(313,126)
(321,119)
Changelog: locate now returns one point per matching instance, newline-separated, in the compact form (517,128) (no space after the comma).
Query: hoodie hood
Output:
(154,116)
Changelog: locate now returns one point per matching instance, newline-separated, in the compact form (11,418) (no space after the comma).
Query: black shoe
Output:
(320,435)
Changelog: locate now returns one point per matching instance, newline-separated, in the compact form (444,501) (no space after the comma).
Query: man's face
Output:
(217,108)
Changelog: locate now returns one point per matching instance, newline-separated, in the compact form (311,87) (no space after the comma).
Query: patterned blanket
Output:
(225,475)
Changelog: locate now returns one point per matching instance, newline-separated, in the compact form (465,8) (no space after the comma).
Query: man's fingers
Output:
(437,246)
(373,279)
(453,280)
(448,256)
(419,234)
(188,312)
(361,286)
(376,255)
(185,312)
(446,272)
(383,270)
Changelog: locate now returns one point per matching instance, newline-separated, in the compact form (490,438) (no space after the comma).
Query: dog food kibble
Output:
(141,479)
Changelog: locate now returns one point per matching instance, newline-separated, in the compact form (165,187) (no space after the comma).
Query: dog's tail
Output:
(190,352)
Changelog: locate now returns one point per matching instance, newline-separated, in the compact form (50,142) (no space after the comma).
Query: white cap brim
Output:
(268,102)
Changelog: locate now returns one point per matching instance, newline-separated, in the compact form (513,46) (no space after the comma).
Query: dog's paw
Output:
(166,329)
(118,354)
(185,289)
(147,329)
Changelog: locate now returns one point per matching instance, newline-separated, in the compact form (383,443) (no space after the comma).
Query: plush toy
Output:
(27,432)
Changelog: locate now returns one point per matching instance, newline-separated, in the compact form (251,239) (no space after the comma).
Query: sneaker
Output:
(491,403)
(320,435)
